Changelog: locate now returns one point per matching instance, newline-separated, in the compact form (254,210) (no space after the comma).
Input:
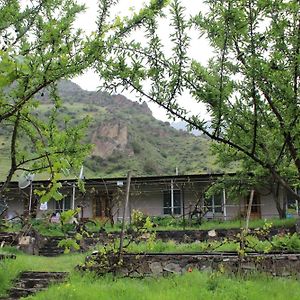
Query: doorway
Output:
(256,206)
(102,203)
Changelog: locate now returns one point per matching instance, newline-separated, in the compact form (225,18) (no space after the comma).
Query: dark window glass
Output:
(291,202)
(218,203)
(98,208)
(58,206)
(64,204)
(67,203)
(167,202)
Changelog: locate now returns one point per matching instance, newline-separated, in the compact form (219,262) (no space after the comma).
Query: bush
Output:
(286,242)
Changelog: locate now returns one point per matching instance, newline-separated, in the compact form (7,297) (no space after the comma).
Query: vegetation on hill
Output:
(125,136)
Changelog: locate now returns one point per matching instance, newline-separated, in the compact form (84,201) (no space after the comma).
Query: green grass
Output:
(48,229)
(194,285)
(278,243)
(10,268)
(170,223)
(171,246)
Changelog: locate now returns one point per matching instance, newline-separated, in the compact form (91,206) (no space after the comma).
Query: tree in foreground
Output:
(39,47)
(250,87)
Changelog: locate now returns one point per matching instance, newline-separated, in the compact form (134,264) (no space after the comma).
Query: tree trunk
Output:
(281,208)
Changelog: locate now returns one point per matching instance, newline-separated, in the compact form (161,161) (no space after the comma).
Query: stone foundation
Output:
(140,265)
(190,236)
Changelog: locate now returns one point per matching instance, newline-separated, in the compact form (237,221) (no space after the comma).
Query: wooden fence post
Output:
(124,213)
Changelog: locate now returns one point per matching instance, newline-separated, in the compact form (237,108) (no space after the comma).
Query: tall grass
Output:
(194,285)
(171,246)
(10,268)
(166,223)
(169,223)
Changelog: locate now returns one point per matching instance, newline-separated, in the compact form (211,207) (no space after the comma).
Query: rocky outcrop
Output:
(109,137)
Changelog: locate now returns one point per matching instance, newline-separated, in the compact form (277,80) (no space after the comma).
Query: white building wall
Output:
(149,200)
(268,207)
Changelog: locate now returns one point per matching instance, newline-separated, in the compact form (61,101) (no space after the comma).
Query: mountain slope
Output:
(127,137)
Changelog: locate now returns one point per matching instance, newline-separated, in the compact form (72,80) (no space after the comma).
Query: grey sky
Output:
(200,49)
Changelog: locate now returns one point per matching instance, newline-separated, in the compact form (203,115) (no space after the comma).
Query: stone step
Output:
(40,274)
(33,282)
(17,293)
(51,254)
(7,256)
(29,283)
(8,238)
(51,248)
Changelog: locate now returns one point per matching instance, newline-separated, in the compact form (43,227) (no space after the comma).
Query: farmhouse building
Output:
(180,195)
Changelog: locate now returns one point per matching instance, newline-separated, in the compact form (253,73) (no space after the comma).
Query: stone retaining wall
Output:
(8,238)
(7,256)
(136,265)
(189,236)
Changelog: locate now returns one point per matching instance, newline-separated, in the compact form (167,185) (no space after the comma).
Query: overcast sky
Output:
(200,49)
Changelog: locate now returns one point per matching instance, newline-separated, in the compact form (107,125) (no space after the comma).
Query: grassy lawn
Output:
(175,224)
(168,223)
(194,285)
(10,268)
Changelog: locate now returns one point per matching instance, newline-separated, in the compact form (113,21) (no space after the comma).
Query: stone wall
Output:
(137,265)
(190,236)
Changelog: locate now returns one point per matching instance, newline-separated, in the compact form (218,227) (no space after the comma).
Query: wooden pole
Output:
(245,230)
(224,205)
(249,210)
(183,207)
(73,195)
(30,198)
(124,212)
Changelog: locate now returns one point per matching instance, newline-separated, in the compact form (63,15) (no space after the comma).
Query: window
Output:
(215,204)
(292,203)
(62,205)
(176,202)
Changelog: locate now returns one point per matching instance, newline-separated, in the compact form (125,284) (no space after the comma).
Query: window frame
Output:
(64,207)
(177,197)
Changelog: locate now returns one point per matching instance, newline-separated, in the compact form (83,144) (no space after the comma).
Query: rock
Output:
(172,268)
(206,268)
(248,266)
(292,257)
(212,233)
(24,240)
(146,236)
(156,268)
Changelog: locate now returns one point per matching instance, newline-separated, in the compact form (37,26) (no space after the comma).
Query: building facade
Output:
(180,195)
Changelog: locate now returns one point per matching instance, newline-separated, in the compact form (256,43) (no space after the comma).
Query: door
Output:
(102,205)
(255,209)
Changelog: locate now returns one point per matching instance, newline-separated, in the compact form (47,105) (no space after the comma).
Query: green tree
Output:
(250,87)
(39,47)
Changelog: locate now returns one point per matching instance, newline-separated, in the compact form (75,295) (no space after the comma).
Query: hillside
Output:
(127,137)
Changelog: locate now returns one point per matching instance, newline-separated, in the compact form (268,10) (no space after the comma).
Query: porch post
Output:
(73,195)
(224,205)
(183,205)
(172,197)
(297,203)
(30,198)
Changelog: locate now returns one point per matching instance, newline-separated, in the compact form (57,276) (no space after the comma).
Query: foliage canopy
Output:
(250,86)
